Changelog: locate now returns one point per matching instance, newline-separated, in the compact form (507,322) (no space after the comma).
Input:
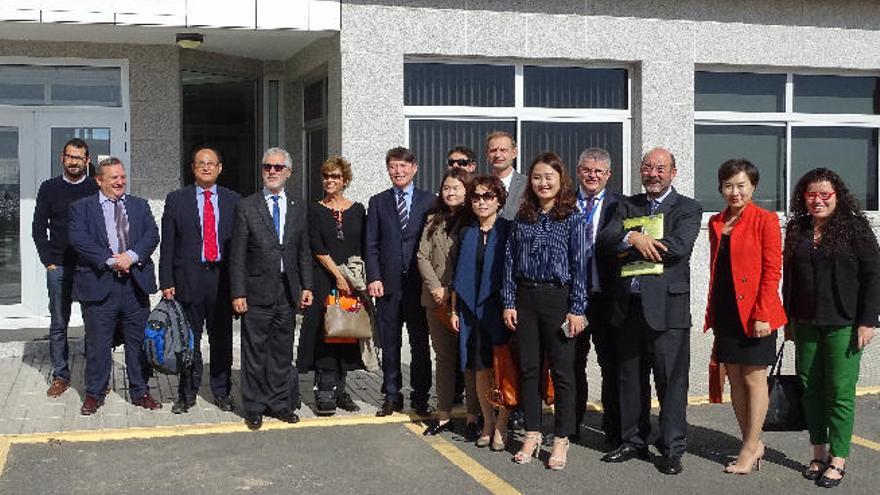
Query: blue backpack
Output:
(168,338)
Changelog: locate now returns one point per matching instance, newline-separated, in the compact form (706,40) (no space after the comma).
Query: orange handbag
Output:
(505,392)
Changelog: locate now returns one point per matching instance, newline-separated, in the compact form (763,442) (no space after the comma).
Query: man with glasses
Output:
(597,205)
(501,151)
(462,157)
(193,269)
(270,268)
(651,314)
(49,230)
(395,218)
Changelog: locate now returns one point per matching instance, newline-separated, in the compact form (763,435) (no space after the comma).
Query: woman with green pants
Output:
(831,292)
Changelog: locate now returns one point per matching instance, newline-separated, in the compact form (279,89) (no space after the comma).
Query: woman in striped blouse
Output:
(545,298)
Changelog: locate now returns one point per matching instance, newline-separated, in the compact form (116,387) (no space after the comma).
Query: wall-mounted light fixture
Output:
(190,40)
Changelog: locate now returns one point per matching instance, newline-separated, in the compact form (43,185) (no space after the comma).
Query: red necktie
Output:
(209,230)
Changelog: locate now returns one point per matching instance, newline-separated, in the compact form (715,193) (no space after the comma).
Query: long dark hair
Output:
(846,225)
(566,200)
(441,211)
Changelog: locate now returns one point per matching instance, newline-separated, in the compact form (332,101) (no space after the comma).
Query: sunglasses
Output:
(336,176)
(277,167)
(824,196)
(486,196)
(463,162)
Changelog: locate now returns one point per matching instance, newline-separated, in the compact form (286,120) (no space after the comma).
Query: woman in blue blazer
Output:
(476,298)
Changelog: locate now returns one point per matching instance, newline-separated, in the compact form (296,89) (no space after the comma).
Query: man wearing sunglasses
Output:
(270,278)
(49,230)
(193,269)
(462,157)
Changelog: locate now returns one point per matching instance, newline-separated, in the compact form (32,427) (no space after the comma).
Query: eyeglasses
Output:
(824,196)
(206,164)
(588,171)
(486,196)
(335,176)
(277,167)
(76,158)
(462,162)
(648,167)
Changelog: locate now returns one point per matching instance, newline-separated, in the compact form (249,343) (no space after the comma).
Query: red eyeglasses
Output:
(824,196)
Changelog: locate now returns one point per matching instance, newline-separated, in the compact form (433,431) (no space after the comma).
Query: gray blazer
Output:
(514,195)
(436,260)
(255,253)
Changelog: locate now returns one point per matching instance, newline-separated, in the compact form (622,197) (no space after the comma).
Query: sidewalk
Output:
(25,367)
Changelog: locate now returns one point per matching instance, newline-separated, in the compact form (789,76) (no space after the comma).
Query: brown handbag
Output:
(441,313)
(505,391)
(346,317)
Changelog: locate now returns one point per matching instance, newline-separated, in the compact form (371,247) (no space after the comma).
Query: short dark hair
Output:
(195,151)
(109,161)
(732,167)
(78,144)
(400,153)
(464,150)
(491,183)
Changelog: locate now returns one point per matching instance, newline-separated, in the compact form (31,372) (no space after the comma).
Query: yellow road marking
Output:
(4,453)
(472,468)
(864,442)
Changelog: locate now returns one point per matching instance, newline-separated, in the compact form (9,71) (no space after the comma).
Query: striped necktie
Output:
(276,215)
(402,212)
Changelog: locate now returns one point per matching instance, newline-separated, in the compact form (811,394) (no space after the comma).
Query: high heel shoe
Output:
(525,457)
(747,467)
(814,474)
(483,441)
(558,463)
(500,445)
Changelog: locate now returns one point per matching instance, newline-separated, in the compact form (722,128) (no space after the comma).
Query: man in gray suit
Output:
(651,314)
(270,276)
(500,153)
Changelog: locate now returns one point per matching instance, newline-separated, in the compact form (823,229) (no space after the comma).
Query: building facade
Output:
(789,84)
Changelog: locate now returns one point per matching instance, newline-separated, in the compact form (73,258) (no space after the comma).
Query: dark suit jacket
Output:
(255,253)
(88,236)
(180,252)
(666,297)
(856,281)
(518,185)
(606,259)
(391,253)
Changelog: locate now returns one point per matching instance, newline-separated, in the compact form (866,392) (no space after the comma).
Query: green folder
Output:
(651,225)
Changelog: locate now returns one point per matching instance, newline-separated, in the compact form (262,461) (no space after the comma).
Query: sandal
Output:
(814,474)
(826,482)
(525,457)
(558,463)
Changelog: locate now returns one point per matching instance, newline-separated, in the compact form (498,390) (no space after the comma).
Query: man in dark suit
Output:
(114,235)
(196,229)
(501,151)
(270,275)
(652,314)
(597,206)
(394,225)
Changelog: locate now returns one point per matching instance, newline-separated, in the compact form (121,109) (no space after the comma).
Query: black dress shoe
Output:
(670,464)
(253,421)
(181,406)
(437,427)
(472,432)
(346,403)
(625,453)
(287,415)
(421,408)
(223,402)
(389,407)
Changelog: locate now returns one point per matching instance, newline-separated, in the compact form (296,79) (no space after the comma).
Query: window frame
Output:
(520,113)
(789,118)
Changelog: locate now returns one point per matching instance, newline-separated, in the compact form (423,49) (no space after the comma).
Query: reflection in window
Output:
(473,85)
(837,94)
(739,92)
(575,87)
(764,146)
(849,151)
(10,202)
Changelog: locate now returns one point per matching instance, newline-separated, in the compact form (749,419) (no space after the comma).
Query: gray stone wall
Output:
(154,89)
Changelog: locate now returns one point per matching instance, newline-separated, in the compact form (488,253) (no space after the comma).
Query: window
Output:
(60,85)
(315,135)
(564,109)
(786,124)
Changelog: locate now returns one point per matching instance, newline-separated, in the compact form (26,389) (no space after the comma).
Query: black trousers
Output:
(209,310)
(393,310)
(643,350)
(603,341)
(267,355)
(540,313)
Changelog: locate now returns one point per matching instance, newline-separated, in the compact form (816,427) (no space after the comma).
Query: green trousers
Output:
(828,366)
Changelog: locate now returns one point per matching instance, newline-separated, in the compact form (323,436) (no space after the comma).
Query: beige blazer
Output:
(435,260)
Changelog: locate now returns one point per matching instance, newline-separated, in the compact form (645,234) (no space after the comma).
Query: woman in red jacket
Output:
(744,307)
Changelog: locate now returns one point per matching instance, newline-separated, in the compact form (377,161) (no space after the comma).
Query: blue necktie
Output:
(276,216)
(402,213)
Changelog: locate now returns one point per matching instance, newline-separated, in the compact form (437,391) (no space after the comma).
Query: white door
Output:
(41,134)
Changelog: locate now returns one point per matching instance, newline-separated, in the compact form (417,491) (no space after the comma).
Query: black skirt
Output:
(733,346)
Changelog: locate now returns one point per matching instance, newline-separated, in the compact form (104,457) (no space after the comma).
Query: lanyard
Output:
(583,202)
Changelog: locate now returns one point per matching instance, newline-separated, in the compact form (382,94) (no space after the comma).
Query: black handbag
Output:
(785,411)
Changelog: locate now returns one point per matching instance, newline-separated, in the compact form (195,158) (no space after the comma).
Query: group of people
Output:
(551,262)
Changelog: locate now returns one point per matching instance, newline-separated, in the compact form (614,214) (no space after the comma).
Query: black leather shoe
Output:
(286,415)
(826,482)
(670,465)
(181,406)
(472,432)
(389,407)
(346,403)
(253,422)
(223,402)
(625,453)
(421,408)
(437,427)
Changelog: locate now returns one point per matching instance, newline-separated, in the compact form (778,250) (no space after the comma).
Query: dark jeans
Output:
(540,313)
(59,283)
